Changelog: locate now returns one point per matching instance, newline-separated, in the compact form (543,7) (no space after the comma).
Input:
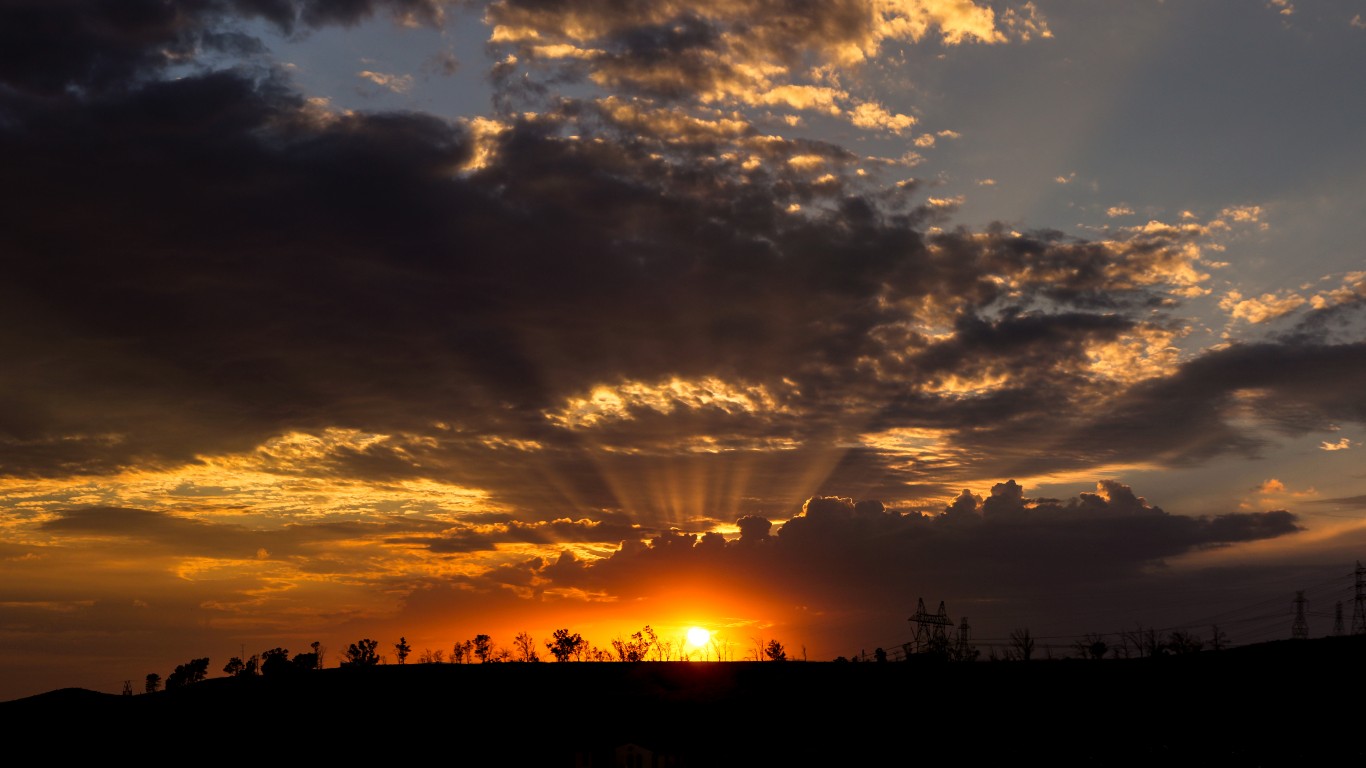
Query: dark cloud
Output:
(50,46)
(197,265)
(179,534)
(859,555)
(164,533)
(1348,501)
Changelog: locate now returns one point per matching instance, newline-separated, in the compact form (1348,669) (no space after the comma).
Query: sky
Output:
(422,319)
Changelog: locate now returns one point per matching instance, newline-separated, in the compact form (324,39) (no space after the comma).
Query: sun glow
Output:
(698,637)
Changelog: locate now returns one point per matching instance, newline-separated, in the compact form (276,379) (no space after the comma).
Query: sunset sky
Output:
(330,319)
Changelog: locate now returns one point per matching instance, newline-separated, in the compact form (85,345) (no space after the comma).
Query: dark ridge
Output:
(1273,704)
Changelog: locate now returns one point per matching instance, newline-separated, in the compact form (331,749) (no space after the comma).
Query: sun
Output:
(698,637)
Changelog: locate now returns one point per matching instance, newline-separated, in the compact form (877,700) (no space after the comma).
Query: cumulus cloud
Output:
(836,550)
(1340,445)
(1260,309)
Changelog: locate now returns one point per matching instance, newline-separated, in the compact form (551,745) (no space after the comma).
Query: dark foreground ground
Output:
(1290,703)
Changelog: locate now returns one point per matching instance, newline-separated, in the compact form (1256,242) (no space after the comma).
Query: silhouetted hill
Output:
(1273,704)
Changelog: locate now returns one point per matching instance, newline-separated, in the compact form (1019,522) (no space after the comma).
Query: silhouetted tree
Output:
(462,652)
(483,648)
(362,654)
(1146,642)
(236,667)
(1021,644)
(319,651)
(774,651)
(192,671)
(967,652)
(305,661)
(1217,639)
(661,649)
(275,662)
(432,657)
(723,650)
(564,646)
(1091,646)
(153,683)
(634,649)
(1180,641)
(879,654)
(526,647)
(127,687)
(402,649)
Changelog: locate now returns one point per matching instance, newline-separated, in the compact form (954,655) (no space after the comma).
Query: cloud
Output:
(58,44)
(836,551)
(1283,7)
(162,533)
(1350,501)
(736,53)
(1340,445)
(1264,308)
(395,83)
(335,282)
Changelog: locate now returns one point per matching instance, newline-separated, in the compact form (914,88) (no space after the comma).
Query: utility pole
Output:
(1300,629)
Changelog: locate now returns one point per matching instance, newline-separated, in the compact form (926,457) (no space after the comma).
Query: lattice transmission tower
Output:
(931,629)
(1300,629)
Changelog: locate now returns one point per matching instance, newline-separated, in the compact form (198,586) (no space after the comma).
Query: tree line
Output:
(647,645)
(564,646)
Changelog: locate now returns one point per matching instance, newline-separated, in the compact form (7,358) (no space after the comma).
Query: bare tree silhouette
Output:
(1021,645)
(526,647)
(1180,641)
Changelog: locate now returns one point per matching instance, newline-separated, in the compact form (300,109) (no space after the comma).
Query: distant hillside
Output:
(1272,704)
